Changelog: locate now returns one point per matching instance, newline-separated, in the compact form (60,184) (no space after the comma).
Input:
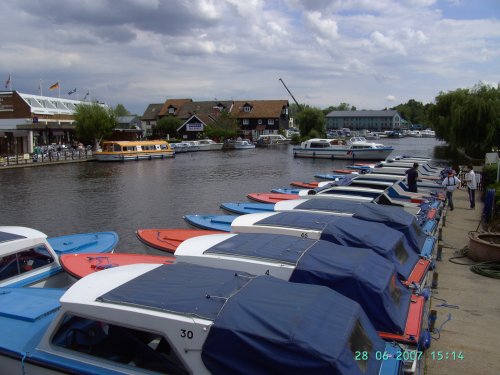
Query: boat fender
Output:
(425,340)
(432,266)
(426,293)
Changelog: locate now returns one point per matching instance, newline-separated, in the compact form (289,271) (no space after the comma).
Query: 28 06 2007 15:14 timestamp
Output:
(446,356)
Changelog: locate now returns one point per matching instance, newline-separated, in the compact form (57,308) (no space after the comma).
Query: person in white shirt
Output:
(471,180)
(450,184)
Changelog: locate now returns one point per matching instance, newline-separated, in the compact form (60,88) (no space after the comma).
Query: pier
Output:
(467,342)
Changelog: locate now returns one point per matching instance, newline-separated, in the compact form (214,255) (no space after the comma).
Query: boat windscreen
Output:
(275,327)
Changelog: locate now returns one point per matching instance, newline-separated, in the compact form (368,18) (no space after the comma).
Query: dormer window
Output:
(171,110)
(247,108)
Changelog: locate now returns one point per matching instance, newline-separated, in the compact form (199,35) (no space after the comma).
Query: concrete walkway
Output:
(474,328)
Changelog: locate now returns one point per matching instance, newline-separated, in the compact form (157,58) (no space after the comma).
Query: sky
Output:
(371,54)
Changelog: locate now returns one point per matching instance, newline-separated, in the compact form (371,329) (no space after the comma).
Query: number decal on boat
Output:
(188,334)
(303,235)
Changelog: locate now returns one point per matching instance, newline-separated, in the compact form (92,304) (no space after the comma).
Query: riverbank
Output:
(467,342)
(44,163)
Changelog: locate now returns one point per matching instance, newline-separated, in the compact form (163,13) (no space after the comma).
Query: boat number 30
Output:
(186,333)
(303,235)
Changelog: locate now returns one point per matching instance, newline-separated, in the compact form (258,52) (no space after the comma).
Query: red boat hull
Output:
(271,197)
(306,185)
(169,239)
(81,265)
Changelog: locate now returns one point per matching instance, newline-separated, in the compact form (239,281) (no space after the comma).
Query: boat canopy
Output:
(261,324)
(357,273)
(393,217)
(349,231)
(275,327)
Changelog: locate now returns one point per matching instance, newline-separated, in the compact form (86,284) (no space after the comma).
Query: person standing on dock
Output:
(450,184)
(471,180)
(411,178)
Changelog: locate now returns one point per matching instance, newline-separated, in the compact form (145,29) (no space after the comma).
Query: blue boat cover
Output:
(274,327)
(273,247)
(262,325)
(349,231)
(180,288)
(357,273)
(392,216)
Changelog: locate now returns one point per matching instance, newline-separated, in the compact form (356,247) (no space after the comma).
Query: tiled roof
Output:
(364,113)
(176,103)
(260,108)
(202,109)
(151,113)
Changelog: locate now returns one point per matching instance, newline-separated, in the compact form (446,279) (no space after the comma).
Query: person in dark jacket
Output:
(411,177)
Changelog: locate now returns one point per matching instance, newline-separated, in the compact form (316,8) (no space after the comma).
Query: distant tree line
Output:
(467,119)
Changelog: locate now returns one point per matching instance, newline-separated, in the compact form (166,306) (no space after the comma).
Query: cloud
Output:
(327,51)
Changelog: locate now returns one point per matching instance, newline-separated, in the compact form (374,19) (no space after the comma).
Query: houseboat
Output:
(134,150)
(357,148)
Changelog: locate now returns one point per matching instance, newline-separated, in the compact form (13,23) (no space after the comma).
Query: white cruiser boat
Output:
(357,148)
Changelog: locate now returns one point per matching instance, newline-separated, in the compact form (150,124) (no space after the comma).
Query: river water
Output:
(124,197)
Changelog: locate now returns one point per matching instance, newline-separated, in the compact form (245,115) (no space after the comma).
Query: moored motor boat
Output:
(168,239)
(357,273)
(357,148)
(134,150)
(241,208)
(271,197)
(29,258)
(81,265)
(136,320)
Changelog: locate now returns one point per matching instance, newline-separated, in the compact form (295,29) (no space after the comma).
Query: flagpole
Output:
(10,83)
(59,87)
(40,88)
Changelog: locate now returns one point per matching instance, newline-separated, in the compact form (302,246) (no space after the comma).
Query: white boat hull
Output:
(343,154)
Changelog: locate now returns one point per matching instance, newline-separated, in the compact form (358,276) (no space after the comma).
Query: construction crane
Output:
(293,97)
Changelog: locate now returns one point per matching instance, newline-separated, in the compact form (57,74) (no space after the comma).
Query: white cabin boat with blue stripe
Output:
(187,319)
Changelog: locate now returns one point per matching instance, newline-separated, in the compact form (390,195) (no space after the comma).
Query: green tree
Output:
(414,112)
(167,126)
(224,126)
(309,119)
(120,110)
(94,122)
(341,107)
(468,119)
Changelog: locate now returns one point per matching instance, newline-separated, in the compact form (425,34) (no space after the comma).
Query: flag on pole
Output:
(7,83)
(54,86)
(72,91)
